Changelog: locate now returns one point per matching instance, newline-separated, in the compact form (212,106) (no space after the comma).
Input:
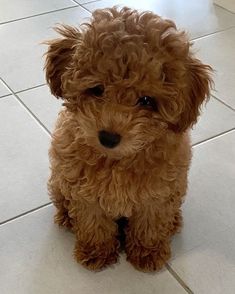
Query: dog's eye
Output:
(96,91)
(148,102)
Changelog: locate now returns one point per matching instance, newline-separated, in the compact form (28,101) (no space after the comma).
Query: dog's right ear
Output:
(59,57)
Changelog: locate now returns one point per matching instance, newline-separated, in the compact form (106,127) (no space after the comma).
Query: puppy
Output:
(132,89)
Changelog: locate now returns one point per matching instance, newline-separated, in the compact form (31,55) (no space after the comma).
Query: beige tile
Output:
(21,56)
(197,17)
(3,89)
(226,4)
(204,251)
(215,119)
(23,160)
(11,11)
(42,104)
(36,257)
(218,50)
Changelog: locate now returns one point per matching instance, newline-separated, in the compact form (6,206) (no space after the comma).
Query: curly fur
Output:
(144,178)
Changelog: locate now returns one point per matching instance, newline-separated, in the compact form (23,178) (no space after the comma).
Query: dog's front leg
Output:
(97,245)
(148,237)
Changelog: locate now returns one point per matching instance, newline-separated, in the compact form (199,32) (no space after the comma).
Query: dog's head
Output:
(128,77)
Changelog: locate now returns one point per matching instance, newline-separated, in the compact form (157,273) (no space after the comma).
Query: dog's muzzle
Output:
(109,140)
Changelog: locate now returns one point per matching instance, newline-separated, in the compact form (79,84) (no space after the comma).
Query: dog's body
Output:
(121,146)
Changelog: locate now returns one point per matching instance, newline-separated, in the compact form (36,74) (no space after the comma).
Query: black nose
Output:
(109,140)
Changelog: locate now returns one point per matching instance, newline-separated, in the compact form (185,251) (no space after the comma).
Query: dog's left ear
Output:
(59,57)
(199,83)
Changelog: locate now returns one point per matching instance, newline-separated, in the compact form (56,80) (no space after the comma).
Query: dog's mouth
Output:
(116,144)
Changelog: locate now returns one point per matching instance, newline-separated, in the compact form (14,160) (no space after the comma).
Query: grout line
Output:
(30,88)
(26,108)
(179,280)
(215,4)
(24,213)
(32,114)
(38,14)
(6,85)
(75,2)
(82,5)
(213,33)
(213,137)
(221,101)
(5,96)
(88,2)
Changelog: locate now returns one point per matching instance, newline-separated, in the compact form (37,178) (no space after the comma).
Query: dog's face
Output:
(128,78)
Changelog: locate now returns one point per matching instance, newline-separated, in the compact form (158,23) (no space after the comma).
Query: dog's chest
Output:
(116,191)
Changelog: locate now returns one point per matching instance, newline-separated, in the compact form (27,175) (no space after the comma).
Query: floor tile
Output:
(226,4)
(23,160)
(215,119)
(21,55)
(218,51)
(36,257)
(204,255)
(42,104)
(86,1)
(210,268)
(188,15)
(210,204)
(10,10)
(3,89)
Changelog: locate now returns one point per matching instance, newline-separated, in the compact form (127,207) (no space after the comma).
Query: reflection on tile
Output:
(204,251)
(21,56)
(215,119)
(42,104)
(188,15)
(36,257)
(23,160)
(218,51)
(10,11)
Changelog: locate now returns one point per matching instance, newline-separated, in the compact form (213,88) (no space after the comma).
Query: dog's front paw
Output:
(148,259)
(97,257)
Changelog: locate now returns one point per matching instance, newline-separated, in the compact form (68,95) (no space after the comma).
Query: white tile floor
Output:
(35,256)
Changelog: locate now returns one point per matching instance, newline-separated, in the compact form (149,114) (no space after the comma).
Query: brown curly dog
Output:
(131,89)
